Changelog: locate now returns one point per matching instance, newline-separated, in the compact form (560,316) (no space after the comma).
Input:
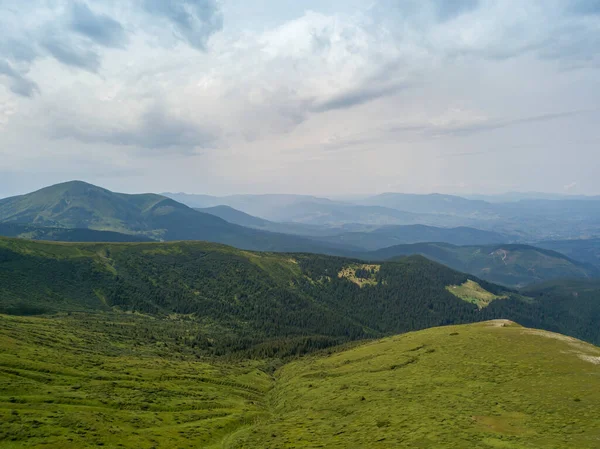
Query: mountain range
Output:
(77,211)
(191,343)
(81,205)
(529,219)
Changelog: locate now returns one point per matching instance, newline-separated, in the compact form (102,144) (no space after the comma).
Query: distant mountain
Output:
(534,219)
(235,216)
(510,265)
(314,211)
(80,205)
(264,206)
(519,196)
(387,236)
(582,250)
(431,204)
(66,234)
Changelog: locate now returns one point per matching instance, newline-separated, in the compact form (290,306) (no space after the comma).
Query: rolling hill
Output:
(493,384)
(80,205)
(254,298)
(193,344)
(131,381)
(511,265)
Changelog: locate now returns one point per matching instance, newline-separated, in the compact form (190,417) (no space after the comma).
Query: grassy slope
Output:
(127,381)
(472,292)
(480,385)
(118,381)
(511,265)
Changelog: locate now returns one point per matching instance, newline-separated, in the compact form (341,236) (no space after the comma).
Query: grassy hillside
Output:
(131,381)
(511,265)
(490,385)
(121,381)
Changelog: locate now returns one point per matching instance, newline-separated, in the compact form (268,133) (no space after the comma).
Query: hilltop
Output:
(492,384)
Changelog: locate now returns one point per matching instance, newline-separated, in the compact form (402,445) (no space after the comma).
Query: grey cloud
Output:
(19,84)
(428,130)
(19,50)
(357,97)
(69,53)
(443,10)
(157,129)
(194,21)
(102,29)
(449,9)
(586,7)
(499,124)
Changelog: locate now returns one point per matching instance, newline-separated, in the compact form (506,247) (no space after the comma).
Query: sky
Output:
(324,97)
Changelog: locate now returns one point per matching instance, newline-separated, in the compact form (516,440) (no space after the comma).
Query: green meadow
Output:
(129,381)
(120,382)
(487,385)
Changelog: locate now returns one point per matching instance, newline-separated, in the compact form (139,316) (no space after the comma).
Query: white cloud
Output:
(362,93)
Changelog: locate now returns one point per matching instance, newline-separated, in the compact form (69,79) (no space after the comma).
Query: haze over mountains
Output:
(526,219)
(76,211)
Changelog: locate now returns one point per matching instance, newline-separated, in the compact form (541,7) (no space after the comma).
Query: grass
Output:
(474,293)
(71,384)
(490,385)
(361,274)
(126,381)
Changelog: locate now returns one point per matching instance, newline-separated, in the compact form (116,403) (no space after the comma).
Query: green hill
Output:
(489,385)
(80,205)
(132,381)
(258,302)
(511,265)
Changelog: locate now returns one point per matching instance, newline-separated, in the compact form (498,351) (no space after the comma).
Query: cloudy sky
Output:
(314,96)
